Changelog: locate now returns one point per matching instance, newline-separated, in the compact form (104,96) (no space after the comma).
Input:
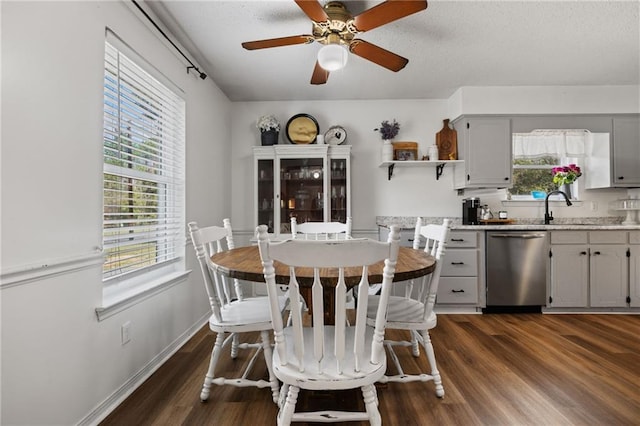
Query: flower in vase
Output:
(268,122)
(566,174)
(388,130)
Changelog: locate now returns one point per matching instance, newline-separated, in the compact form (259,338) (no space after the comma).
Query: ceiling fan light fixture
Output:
(332,57)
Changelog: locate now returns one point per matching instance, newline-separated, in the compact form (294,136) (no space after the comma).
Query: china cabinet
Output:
(308,182)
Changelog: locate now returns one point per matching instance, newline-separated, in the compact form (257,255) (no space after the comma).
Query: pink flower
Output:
(566,174)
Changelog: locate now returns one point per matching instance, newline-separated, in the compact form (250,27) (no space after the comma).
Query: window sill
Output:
(116,298)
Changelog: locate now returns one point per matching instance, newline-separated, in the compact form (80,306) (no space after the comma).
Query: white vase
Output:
(566,188)
(387,151)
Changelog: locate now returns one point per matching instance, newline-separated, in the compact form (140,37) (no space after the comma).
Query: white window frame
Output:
(562,161)
(156,113)
(568,145)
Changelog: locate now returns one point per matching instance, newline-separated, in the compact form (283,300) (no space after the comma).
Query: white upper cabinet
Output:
(485,147)
(626,151)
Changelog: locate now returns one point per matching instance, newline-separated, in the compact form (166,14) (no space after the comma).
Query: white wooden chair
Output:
(328,357)
(321,230)
(414,311)
(231,312)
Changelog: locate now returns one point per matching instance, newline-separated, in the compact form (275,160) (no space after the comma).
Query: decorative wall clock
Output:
(336,135)
(302,129)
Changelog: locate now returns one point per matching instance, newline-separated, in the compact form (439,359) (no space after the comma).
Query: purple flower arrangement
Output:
(388,130)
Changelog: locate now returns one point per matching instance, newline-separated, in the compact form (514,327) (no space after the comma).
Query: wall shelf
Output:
(438,165)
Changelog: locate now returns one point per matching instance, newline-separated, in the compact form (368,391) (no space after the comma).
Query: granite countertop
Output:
(520,224)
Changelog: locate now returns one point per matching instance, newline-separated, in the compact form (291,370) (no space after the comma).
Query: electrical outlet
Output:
(125,332)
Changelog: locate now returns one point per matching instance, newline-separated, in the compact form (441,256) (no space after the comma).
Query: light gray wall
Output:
(409,191)
(59,364)
(415,191)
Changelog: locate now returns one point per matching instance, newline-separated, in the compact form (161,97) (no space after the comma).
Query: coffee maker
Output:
(470,208)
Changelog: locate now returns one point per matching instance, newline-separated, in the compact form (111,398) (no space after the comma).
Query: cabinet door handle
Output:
(506,178)
(596,253)
(457,263)
(621,177)
(583,253)
(457,291)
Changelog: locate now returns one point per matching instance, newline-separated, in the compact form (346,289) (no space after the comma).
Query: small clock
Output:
(336,135)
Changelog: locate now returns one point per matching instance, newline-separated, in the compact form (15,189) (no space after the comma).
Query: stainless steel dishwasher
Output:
(516,268)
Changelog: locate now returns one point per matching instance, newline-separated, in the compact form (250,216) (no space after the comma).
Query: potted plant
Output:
(269,129)
(388,131)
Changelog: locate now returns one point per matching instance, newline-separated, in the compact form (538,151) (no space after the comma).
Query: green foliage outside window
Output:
(533,174)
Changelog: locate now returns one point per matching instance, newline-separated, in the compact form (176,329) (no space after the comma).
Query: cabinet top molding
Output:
(301,149)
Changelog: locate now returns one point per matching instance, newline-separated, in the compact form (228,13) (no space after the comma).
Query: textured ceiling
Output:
(449,45)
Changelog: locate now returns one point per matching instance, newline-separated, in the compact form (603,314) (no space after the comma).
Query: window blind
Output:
(143,186)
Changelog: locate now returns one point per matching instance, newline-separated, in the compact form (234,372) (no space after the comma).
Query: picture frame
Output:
(405,151)
(405,154)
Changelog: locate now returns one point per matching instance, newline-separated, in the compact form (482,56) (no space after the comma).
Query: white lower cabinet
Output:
(634,269)
(462,274)
(463,270)
(569,276)
(609,276)
(590,269)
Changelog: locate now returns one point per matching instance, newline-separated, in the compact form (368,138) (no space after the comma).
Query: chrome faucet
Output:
(548,216)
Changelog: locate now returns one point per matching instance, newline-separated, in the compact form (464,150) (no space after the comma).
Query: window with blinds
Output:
(143,189)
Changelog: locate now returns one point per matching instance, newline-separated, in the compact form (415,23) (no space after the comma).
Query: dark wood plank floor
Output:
(497,369)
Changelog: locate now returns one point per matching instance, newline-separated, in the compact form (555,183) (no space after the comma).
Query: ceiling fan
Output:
(335,28)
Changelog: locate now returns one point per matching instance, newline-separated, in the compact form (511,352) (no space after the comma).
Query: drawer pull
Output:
(457,240)
(457,263)
(457,291)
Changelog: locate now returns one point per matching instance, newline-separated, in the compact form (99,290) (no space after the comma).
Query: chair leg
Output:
(286,413)
(415,347)
(371,404)
(284,391)
(428,347)
(215,355)
(268,358)
(234,345)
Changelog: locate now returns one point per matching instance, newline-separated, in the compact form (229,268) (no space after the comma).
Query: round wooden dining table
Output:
(244,263)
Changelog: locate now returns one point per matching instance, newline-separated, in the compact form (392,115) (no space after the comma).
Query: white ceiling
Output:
(449,45)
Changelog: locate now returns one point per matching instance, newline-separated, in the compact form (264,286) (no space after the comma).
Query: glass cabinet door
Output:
(265,200)
(301,191)
(338,185)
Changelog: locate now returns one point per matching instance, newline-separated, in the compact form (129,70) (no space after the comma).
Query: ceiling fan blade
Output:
(277,42)
(313,10)
(320,75)
(387,12)
(378,55)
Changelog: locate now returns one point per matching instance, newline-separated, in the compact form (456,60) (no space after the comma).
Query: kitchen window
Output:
(144,149)
(535,155)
